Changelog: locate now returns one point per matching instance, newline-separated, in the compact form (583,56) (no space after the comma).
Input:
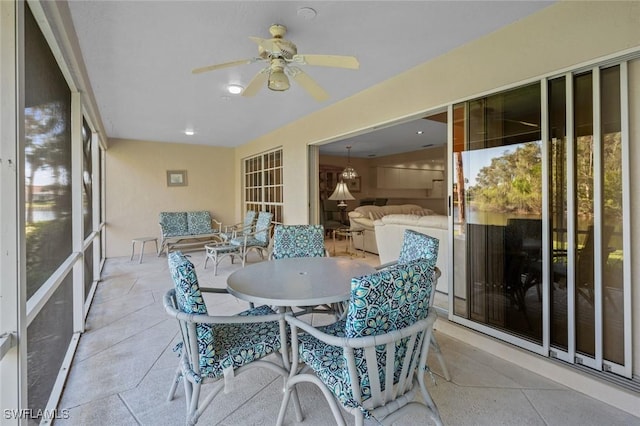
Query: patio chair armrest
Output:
(362,342)
(318,334)
(216,224)
(221,319)
(213,290)
(386,265)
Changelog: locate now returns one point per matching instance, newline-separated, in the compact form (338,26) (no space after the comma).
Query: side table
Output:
(216,252)
(348,233)
(142,240)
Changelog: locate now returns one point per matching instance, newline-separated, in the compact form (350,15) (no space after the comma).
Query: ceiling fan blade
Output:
(256,83)
(336,61)
(225,65)
(308,84)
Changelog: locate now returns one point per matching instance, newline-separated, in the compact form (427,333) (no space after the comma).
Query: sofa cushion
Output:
(432,221)
(174,224)
(199,222)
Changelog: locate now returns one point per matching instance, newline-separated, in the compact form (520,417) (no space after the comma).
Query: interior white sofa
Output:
(389,233)
(362,218)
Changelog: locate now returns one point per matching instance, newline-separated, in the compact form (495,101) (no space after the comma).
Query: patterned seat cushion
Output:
(174,224)
(388,300)
(418,246)
(239,241)
(199,222)
(298,241)
(221,345)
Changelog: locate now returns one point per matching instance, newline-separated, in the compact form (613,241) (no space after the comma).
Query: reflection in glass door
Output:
(498,211)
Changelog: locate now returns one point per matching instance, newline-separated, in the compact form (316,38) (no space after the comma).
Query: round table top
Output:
(297,281)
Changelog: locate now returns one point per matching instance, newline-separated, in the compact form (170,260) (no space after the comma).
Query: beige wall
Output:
(136,187)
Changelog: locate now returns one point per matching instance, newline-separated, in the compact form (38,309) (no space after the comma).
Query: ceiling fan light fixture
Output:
(234,89)
(278,81)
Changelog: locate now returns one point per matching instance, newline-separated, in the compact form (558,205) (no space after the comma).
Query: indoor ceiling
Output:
(139,56)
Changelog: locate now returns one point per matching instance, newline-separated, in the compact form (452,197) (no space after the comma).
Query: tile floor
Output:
(124,365)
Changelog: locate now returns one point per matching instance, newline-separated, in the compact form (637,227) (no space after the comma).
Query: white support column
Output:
(77,219)
(13,353)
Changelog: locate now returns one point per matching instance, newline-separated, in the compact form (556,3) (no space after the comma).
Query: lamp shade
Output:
(341,193)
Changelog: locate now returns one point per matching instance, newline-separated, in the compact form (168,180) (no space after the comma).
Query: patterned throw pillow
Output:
(199,222)
(418,246)
(298,241)
(389,299)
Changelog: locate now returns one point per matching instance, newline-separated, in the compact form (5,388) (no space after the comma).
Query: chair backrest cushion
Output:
(298,241)
(188,294)
(249,218)
(390,299)
(262,226)
(174,224)
(189,300)
(199,222)
(416,245)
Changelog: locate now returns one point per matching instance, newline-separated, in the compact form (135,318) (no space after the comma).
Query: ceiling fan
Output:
(282,59)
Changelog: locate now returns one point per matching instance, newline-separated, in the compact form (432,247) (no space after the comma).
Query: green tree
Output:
(512,182)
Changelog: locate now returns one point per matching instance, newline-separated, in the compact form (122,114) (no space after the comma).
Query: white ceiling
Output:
(139,56)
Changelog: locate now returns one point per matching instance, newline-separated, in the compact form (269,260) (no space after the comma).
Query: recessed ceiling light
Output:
(307,13)
(234,89)
(189,132)
(419,132)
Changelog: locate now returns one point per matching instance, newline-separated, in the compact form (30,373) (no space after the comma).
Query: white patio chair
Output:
(217,348)
(416,245)
(372,362)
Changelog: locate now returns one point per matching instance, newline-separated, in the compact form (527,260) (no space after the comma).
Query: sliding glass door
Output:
(498,211)
(541,217)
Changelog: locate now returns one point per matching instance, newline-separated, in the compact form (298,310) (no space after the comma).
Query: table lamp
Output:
(341,194)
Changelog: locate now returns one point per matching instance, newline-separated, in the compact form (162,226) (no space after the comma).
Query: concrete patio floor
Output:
(124,365)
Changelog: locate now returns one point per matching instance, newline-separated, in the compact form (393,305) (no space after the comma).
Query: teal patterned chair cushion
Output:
(260,236)
(242,228)
(418,246)
(298,241)
(262,226)
(174,224)
(188,294)
(221,345)
(199,222)
(388,300)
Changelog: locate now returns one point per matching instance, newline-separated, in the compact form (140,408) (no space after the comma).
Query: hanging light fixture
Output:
(349,172)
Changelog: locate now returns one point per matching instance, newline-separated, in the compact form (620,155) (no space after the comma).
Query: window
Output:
(263,187)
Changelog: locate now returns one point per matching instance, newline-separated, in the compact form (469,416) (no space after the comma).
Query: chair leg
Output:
(443,365)
(193,406)
(176,380)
